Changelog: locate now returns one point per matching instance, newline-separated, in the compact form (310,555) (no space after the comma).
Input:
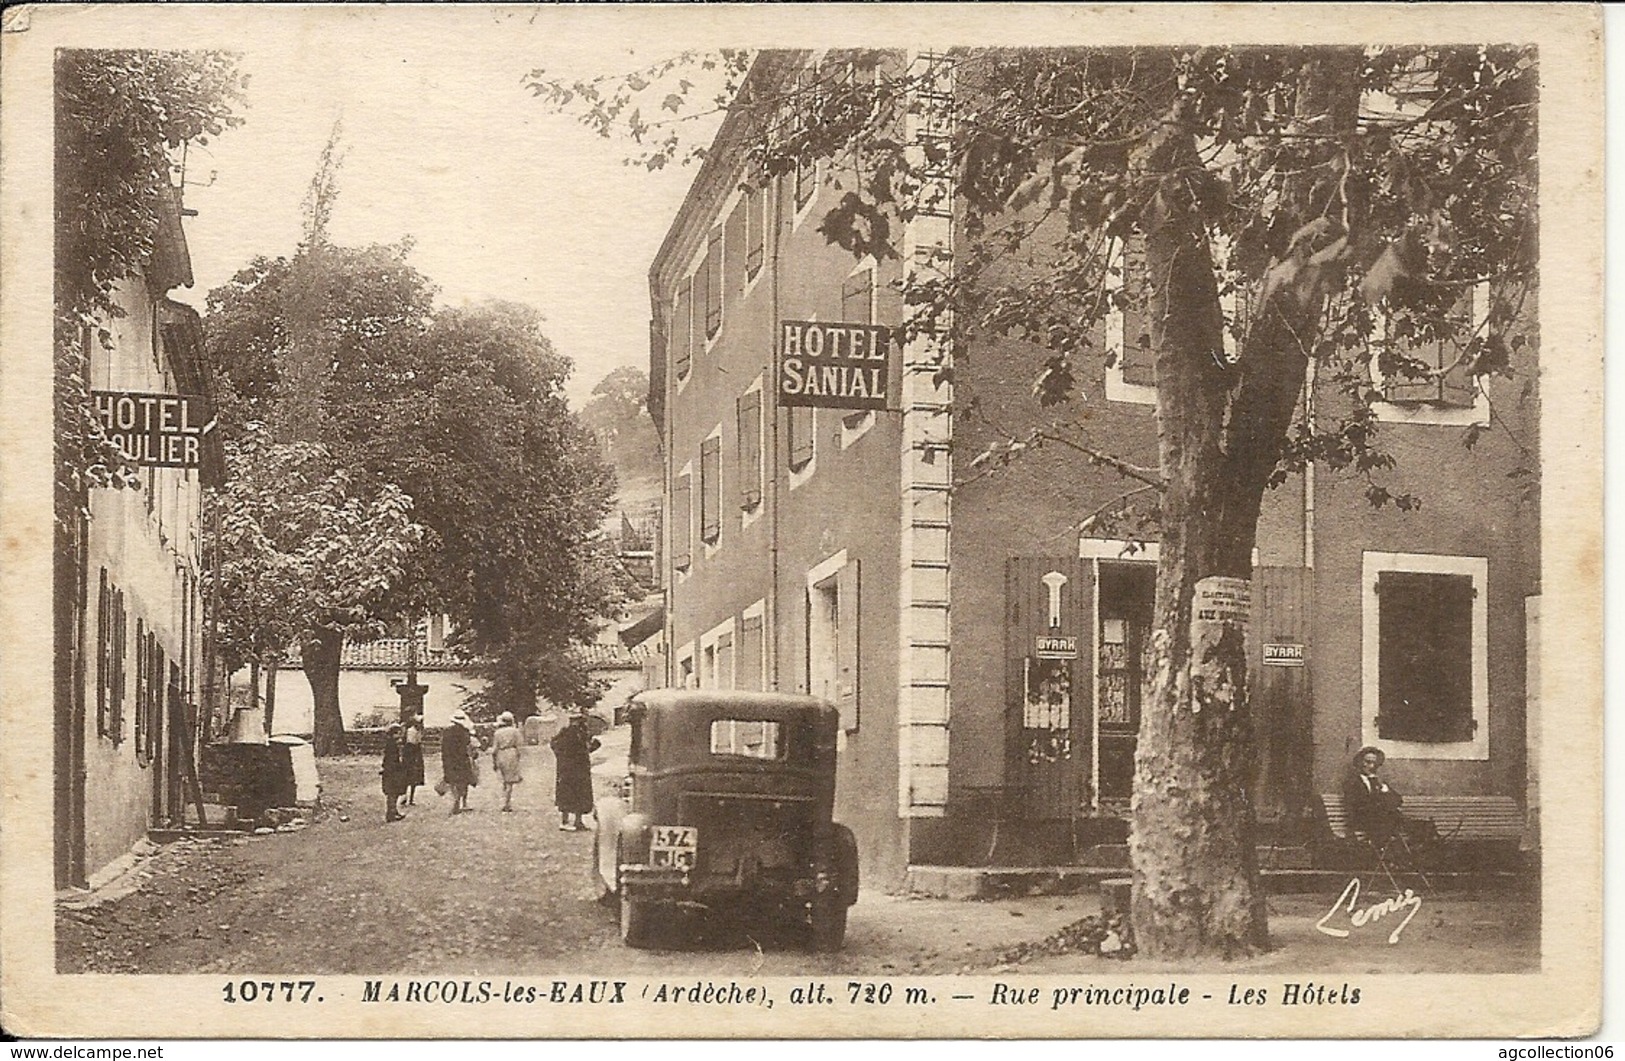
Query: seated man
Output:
(1373,805)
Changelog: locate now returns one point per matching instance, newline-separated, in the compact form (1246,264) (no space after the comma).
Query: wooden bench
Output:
(1467,819)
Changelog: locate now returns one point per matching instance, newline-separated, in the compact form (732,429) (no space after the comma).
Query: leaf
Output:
(673,102)
(1379,280)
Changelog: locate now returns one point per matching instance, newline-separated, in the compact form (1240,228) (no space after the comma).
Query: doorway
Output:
(1126,593)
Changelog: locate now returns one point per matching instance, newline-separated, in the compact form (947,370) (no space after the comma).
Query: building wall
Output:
(846,499)
(362,694)
(147,542)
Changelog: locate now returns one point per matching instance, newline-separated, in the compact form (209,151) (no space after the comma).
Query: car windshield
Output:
(751,738)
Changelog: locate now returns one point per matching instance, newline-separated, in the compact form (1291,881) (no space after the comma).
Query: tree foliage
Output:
(301,548)
(618,415)
(462,410)
(123,121)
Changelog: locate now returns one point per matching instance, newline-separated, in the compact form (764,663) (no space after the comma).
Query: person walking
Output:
(394,772)
(413,757)
(572,786)
(505,756)
(457,759)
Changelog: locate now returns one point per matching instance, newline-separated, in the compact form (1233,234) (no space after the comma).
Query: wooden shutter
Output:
(755,229)
(725,661)
(750,449)
(140,690)
(104,655)
(1425,662)
(857,301)
(801,424)
(120,630)
(1138,358)
(657,374)
(847,645)
(711,489)
(713,283)
(682,521)
(682,329)
(734,244)
(749,673)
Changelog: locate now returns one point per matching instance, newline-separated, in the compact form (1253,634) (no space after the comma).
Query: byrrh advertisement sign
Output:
(835,365)
(157,430)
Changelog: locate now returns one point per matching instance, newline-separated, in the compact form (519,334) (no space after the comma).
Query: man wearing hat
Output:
(1372,803)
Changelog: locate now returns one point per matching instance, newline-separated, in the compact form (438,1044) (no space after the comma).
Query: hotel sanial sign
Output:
(836,365)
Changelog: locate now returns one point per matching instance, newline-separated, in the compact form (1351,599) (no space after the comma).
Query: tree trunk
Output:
(1221,429)
(270,697)
(321,664)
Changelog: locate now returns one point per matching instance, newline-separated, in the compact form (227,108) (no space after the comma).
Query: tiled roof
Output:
(389,653)
(611,656)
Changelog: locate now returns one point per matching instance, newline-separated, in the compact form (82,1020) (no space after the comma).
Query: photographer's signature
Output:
(1407,902)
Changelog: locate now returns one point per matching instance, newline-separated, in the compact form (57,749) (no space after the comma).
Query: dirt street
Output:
(490,893)
(484,892)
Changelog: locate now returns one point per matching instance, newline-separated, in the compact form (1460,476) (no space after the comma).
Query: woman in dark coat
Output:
(572,755)
(412,756)
(394,771)
(457,759)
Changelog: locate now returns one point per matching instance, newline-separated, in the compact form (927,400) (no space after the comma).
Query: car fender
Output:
(607,815)
(843,855)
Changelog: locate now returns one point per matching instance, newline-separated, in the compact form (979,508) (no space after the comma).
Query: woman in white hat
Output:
(457,759)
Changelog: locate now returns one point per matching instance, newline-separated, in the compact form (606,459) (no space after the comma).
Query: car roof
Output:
(720,703)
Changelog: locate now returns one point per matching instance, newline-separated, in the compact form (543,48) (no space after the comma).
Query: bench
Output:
(1468,819)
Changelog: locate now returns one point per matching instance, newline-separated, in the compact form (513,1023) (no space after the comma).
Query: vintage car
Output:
(726,808)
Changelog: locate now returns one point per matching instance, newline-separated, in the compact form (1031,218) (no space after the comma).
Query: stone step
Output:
(1115,856)
(981,882)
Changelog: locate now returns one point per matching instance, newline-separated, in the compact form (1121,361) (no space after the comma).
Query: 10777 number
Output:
(269,990)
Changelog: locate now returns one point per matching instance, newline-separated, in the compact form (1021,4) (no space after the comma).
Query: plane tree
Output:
(1287,210)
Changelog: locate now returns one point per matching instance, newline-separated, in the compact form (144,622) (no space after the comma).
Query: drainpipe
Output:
(770,388)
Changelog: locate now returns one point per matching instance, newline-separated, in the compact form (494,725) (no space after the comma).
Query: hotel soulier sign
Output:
(835,365)
(158,430)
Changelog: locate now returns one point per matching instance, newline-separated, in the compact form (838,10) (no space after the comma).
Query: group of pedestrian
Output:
(403,765)
(460,751)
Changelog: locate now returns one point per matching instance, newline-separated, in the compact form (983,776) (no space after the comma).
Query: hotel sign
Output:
(155,430)
(834,365)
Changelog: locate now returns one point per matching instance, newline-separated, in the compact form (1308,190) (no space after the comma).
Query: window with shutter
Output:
(755,230)
(1432,370)
(1425,661)
(713,283)
(800,429)
(711,489)
(750,450)
(682,330)
(1138,359)
(682,522)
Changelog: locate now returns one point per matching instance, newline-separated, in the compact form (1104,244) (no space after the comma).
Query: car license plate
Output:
(673,846)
